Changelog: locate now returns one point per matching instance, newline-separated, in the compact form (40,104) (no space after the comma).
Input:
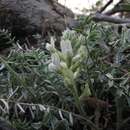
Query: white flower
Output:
(68,33)
(55,59)
(63,64)
(53,42)
(49,47)
(66,47)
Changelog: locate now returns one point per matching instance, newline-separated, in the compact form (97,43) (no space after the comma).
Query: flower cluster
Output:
(70,55)
(68,60)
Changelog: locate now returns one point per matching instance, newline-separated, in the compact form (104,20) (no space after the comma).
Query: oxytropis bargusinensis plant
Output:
(68,61)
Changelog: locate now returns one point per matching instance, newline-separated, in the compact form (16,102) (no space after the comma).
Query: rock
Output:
(26,17)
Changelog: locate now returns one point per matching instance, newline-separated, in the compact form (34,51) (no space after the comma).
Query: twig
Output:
(118,9)
(79,117)
(118,113)
(104,18)
(105,6)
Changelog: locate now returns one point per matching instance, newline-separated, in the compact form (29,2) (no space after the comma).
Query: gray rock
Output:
(25,17)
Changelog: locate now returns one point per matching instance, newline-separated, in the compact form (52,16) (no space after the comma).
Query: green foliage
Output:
(5,39)
(92,61)
(25,80)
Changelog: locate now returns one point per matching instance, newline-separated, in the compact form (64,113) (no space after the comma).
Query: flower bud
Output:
(86,92)
(49,47)
(66,47)
(63,65)
(76,74)
(76,58)
(68,82)
(83,51)
(55,59)
(75,66)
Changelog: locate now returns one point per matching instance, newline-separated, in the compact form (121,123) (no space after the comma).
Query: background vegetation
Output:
(78,82)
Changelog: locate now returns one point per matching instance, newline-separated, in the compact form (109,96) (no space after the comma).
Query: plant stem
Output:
(79,117)
(77,101)
(118,114)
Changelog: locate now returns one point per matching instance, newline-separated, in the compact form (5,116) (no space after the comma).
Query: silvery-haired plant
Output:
(68,62)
